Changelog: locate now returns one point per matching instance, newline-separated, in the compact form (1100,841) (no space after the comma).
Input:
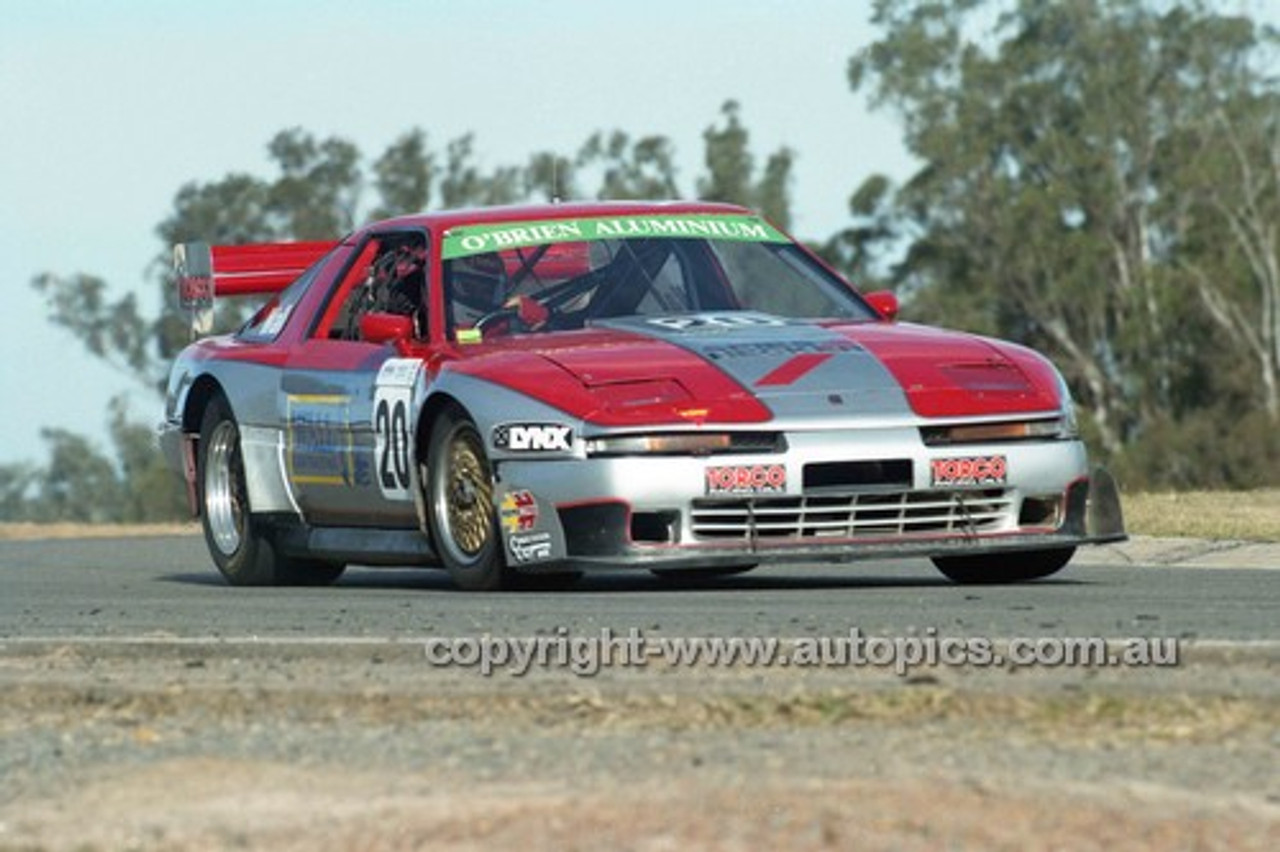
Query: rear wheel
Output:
(242,553)
(1005,567)
(464,525)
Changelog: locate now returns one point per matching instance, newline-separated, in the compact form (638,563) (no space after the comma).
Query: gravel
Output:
(332,745)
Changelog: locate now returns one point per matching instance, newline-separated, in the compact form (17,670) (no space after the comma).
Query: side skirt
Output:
(362,545)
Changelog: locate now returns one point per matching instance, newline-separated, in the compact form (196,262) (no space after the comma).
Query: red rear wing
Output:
(202,271)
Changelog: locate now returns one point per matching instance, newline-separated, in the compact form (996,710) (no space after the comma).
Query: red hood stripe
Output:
(792,369)
(952,374)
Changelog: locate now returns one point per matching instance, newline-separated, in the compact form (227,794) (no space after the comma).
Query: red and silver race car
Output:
(523,393)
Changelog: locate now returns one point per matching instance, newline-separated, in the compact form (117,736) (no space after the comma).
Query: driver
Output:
(480,281)
(482,289)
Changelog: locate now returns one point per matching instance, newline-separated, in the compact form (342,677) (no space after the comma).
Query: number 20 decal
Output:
(391,430)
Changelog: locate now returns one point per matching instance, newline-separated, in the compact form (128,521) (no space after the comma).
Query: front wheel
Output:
(1004,567)
(464,525)
(242,553)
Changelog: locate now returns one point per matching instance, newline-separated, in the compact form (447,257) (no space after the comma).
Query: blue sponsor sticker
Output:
(319,440)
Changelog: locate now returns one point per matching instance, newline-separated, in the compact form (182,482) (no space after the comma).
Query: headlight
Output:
(686,444)
(1049,428)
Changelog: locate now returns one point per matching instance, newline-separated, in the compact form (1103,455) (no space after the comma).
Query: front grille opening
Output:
(852,515)
(1041,512)
(891,473)
(594,529)
(757,442)
(654,527)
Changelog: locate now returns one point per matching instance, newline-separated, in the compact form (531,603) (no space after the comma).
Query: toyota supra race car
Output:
(520,394)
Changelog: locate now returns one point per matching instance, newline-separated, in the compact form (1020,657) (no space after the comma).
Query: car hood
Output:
(752,367)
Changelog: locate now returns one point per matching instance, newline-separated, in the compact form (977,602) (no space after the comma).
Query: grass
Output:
(1250,515)
(26,531)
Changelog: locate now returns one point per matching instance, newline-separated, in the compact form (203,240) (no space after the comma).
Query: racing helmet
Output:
(479,281)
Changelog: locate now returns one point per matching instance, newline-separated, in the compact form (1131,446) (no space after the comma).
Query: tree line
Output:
(1098,179)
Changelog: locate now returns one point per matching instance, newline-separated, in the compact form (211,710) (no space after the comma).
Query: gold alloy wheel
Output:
(469,493)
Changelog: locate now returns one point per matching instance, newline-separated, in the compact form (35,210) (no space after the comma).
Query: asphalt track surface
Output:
(148,705)
(166,587)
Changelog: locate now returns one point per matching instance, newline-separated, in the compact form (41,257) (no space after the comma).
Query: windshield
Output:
(564,274)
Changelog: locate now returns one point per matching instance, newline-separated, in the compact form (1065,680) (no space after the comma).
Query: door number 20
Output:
(391,428)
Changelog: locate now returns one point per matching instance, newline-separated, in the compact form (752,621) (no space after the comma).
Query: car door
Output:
(346,402)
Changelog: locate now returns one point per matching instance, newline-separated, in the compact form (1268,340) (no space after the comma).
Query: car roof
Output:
(443,220)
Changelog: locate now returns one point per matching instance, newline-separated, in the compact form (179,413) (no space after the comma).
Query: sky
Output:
(110,107)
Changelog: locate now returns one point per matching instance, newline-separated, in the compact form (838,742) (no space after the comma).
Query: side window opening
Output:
(388,276)
(268,320)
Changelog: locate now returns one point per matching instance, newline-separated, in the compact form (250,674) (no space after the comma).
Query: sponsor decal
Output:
(530,547)
(478,239)
(747,479)
(969,470)
(518,511)
(399,372)
(718,322)
(533,437)
(195,291)
(780,348)
(319,440)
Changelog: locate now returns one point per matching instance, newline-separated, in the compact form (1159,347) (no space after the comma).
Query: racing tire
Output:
(244,555)
(1003,568)
(460,509)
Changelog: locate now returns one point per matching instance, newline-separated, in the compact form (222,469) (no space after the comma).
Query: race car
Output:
(521,394)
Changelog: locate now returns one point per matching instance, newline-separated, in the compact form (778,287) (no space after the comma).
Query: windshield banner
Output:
(478,239)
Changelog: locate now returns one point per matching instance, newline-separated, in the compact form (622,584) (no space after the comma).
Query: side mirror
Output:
(885,303)
(378,327)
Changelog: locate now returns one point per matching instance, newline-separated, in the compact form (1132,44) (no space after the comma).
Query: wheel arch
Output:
(203,390)
(431,409)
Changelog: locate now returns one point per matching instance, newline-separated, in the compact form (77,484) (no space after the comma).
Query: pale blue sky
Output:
(110,107)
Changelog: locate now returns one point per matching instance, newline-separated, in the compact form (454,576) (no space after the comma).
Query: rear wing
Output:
(202,272)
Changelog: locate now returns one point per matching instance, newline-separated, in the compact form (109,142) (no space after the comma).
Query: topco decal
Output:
(969,470)
(746,479)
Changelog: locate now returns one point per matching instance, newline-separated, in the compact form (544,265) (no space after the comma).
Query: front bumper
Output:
(1093,516)
(634,512)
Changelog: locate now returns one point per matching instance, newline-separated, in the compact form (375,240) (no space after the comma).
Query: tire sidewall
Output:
(250,564)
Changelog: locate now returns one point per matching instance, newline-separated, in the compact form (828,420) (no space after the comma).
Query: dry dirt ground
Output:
(338,746)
